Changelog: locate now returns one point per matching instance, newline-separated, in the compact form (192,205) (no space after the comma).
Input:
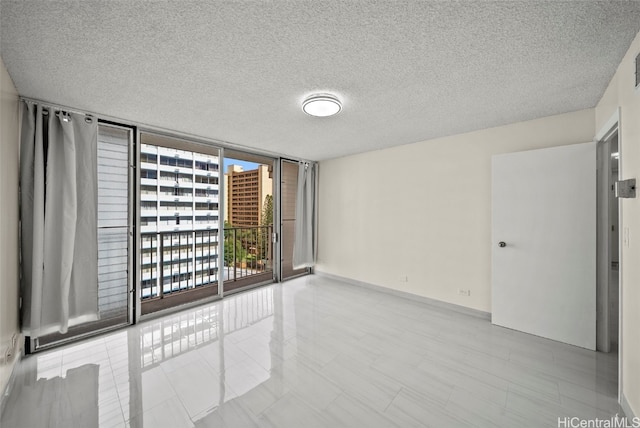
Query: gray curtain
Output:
(58,191)
(304,241)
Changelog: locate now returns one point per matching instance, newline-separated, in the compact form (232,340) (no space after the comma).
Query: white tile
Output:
(180,361)
(197,387)
(602,400)
(475,410)
(291,411)
(259,398)
(167,414)
(535,408)
(154,388)
(317,350)
(242,378)
(258,348)
(325,354)
(410,409)
(362,382)
(232,415)
(306,383)
(348,411)
(411,377)
(110,413)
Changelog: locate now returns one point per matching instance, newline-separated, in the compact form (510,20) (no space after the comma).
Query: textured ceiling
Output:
(237,71)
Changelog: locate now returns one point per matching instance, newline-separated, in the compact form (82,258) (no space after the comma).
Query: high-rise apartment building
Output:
(179,212)
(246,192)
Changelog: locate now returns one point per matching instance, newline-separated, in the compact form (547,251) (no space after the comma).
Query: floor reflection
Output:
(71,399)
(312,352)
(194,362)
(175,371)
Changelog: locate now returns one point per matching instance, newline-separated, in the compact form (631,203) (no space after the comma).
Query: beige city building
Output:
(246,192)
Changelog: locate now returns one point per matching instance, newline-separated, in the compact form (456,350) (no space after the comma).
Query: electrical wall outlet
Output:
(464,292)
(625,236)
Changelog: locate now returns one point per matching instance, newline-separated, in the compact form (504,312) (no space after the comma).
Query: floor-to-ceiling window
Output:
(115,219)
(179,222)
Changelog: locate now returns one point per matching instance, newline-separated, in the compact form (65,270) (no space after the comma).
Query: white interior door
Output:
(544,211)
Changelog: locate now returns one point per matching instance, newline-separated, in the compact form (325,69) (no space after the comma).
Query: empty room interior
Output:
(319,213)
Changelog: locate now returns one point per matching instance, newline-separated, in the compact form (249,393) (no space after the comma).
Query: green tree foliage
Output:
(233,248)
(250,245)
(267,211)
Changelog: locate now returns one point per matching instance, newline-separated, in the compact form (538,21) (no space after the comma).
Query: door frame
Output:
(611,126)
(277,220)
(134,225)
(603,247)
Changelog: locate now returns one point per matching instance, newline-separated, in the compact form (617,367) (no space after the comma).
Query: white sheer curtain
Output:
(304,241)
(58,188)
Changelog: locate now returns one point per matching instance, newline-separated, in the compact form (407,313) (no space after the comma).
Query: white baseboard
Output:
(422,299)
(15,360)
(626,408)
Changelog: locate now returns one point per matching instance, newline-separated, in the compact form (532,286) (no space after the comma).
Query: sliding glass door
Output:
(248,223)
(161,239)
(179,185)
(114,225)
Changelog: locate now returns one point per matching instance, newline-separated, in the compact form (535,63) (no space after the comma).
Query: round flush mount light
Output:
(321,105)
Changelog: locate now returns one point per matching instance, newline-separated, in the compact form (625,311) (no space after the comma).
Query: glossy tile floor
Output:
(312,352)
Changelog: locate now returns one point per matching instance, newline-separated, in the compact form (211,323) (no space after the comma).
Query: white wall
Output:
(423,210)
(621,93)
(8,219)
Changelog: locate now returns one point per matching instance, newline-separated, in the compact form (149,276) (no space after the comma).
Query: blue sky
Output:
(247,166)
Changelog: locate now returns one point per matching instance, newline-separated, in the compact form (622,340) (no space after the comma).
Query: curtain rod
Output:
(167,132)
(56,107)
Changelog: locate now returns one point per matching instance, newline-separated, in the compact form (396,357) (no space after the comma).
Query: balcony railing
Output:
(181,262)
(248,255)
(187,259)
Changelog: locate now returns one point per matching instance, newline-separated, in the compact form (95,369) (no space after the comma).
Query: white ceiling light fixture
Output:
(322,105)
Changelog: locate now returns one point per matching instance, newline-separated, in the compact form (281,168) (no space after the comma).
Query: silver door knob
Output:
(502,244)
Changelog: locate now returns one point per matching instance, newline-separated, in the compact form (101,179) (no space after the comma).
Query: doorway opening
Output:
(608,260)
(248,225)
(614,245)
